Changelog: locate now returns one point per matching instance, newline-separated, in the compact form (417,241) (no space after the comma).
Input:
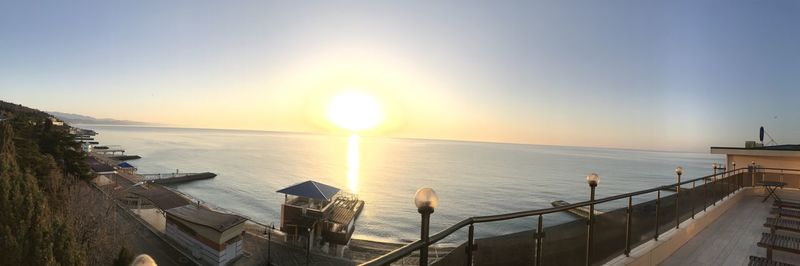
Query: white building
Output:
(56,122)
(214,238)
(775,163)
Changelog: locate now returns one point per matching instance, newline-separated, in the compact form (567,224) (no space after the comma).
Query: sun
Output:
(355,111)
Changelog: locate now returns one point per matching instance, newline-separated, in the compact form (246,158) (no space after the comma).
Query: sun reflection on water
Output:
(353,163)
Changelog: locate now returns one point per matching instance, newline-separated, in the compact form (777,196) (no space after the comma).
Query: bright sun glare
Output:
(355,111)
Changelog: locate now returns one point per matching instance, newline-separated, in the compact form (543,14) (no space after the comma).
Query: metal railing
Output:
(732,181)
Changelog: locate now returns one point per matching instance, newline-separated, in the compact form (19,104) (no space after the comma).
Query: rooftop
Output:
(99,167)
(311,189)
(777,150)
(731,239)
(160,197)
(208,218)
(786,147)
(125,165)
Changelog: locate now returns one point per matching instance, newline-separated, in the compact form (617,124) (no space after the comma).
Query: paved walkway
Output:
(732,238)
(142,240)
(283,254)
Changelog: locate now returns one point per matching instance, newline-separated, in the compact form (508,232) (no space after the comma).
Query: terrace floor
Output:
(732,238)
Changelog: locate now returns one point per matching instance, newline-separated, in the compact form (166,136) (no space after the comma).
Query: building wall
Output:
(231,233)
(765,161)
(791,178)
(212,234)
(199,250)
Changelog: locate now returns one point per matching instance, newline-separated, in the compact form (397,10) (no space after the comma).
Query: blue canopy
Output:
(125,165)
(311,189)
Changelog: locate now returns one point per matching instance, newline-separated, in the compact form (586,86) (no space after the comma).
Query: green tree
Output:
(26,225)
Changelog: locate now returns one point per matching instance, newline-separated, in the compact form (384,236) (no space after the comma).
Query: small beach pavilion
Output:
(312,209)
(126,167)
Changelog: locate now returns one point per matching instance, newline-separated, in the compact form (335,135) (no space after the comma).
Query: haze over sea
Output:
(470,178)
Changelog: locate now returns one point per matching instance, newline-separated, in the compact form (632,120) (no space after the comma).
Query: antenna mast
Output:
(761,134)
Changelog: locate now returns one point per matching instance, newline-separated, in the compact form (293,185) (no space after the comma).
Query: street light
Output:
(269,244)
(593,179)
(426,201)
(738,179)
(308,246)
(679,171)
(714,183)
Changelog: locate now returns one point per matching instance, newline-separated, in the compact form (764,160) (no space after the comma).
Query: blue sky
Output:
(675,75)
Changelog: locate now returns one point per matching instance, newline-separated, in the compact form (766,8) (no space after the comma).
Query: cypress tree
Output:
(26,224)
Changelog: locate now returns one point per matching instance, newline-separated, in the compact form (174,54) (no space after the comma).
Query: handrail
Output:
(407,249)
(782,169)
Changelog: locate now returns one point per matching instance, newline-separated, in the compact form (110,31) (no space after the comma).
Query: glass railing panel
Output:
(609,230)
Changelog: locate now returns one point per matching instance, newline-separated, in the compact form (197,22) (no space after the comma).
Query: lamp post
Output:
(738,181)
(308,246)
(426,200)
(679,171)
(269,244)
(592,179)
(738,178)
(753,174)
(714,183)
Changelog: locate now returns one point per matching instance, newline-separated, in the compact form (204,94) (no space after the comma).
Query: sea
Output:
(470,178)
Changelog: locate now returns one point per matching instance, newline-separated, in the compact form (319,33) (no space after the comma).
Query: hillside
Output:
(83,119)
(49,214)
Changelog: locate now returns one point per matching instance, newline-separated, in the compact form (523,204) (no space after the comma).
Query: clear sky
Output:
(676,75)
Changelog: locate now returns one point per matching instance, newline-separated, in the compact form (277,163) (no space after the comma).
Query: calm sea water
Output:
(470,178)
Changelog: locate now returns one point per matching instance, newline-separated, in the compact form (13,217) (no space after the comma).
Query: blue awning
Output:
(125,165)
(311,189)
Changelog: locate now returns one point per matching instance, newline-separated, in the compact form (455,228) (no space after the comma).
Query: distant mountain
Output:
(83,119)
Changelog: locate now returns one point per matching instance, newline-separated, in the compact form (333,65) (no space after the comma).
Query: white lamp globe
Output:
(593,179)
(426,197)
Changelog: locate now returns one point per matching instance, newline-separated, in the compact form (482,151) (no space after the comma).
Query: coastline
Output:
(357,251)
(253,167)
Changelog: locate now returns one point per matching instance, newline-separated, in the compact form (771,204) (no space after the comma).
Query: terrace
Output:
(732,238)
(712,220)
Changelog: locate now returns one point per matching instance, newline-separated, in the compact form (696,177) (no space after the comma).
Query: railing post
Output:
(694,195)
(740,179)
(724,187)
(590,231)
(628,213)
(728,183)
(423,251)
(658,208)
(470,243)
(539,240)
(705,194)
(714,189)
(308,248)
(677,201)
(269,244)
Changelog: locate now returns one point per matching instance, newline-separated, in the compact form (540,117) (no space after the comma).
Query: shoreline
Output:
(358,250)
